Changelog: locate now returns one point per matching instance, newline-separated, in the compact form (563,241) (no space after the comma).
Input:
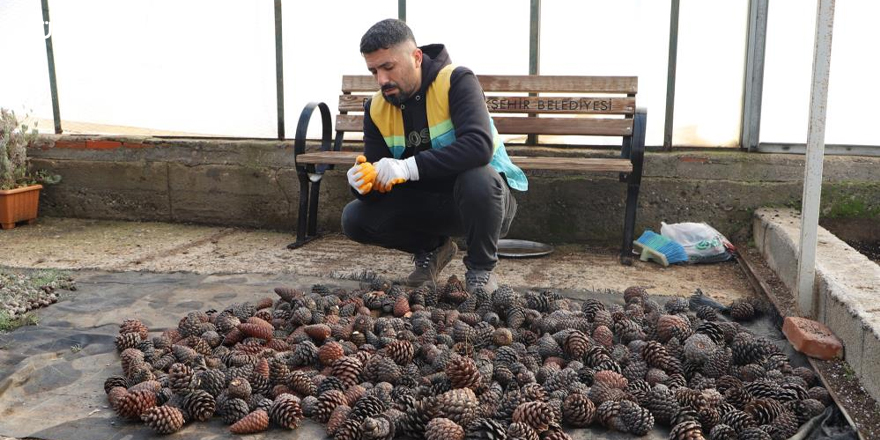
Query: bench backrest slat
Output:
(524,83)
(531,104)
(513,125)
(587,98)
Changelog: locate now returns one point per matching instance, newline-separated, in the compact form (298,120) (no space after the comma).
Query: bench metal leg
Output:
(309,176)
(629,224)
(307,219)
(313,207)
(634,149)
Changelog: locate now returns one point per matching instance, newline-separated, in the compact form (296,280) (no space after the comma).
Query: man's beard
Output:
(399,98)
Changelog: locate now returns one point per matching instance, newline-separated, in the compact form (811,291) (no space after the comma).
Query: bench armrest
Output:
(302,127)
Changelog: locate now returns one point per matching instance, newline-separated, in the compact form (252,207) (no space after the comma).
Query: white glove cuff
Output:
(412,168)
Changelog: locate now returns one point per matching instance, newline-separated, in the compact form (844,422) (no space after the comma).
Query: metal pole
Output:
(401,10)
(670,74)
(754,75)
(279,69)
(535,38)
(50,55)
(534,51)
(815,156)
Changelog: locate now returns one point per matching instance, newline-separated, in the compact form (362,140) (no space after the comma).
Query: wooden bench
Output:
(578,106)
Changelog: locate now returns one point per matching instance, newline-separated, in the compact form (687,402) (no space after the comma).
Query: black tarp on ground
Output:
(52,374)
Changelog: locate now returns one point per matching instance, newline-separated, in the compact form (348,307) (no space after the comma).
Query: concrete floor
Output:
(67,243)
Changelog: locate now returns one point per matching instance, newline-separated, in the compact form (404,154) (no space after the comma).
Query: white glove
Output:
(361,177)
(390,172)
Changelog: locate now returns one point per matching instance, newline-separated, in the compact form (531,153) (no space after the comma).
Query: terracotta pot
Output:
(18,205)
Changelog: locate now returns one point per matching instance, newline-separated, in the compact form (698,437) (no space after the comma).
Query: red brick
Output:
(135,145)
(102,145)
(693,159)
(812,338)
(70,144)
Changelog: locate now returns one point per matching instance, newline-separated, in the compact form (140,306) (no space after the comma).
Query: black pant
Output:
(480,208)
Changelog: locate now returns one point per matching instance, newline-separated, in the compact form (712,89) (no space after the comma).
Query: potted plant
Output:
(19,186)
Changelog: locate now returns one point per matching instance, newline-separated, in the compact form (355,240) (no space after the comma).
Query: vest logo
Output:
(415,138)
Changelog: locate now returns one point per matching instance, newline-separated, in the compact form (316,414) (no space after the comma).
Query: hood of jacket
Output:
(435,58)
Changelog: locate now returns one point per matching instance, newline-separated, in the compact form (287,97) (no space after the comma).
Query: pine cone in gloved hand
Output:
(362,175)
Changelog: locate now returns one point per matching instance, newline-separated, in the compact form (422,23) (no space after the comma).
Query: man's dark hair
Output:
(385,35)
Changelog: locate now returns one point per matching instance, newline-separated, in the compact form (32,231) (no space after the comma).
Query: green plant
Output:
(15,138)
(8,323)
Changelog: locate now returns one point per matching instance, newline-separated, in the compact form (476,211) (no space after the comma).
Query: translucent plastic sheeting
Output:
(492,38)
(852,93)
(52,374)
(709,73)
(602,38)
(321,44)
(203,67)
(24,76)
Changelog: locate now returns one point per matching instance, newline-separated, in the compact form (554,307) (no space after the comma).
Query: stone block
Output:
(812,338)
(106,190)
(871,367)
(847,326)
(229,195)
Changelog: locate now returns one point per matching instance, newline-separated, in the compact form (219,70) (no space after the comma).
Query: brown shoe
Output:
(430,264)
(481,279)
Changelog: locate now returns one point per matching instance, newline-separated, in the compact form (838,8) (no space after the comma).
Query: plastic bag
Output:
(701,242)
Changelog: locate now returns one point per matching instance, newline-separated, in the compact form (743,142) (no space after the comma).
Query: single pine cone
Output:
(239,388)
(738,420)
(377,428)
(662,404)
(486,429)
(459,405)
(698,347)
(257,421)
(163,419)
(690,430)
(636,419)
(805,409)
(443,429)
(610,379)
(576,344)
(132,404)
(603,336)
(286,411)
(233,410)
(401,351)
(212,381)
(463,373)
(339,415)
(672,326)
(302,384)
(114,382)
(722,432)
(764,411)
(348,369)
(127,340)
(578,410)
(199,404)
(742,310)
(608,414)
(327,402)
(754,434)
(521,431)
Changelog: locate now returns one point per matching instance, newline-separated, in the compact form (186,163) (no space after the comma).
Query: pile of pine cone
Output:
(384,361)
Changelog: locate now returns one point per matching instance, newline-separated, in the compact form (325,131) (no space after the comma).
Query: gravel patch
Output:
(24,291)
